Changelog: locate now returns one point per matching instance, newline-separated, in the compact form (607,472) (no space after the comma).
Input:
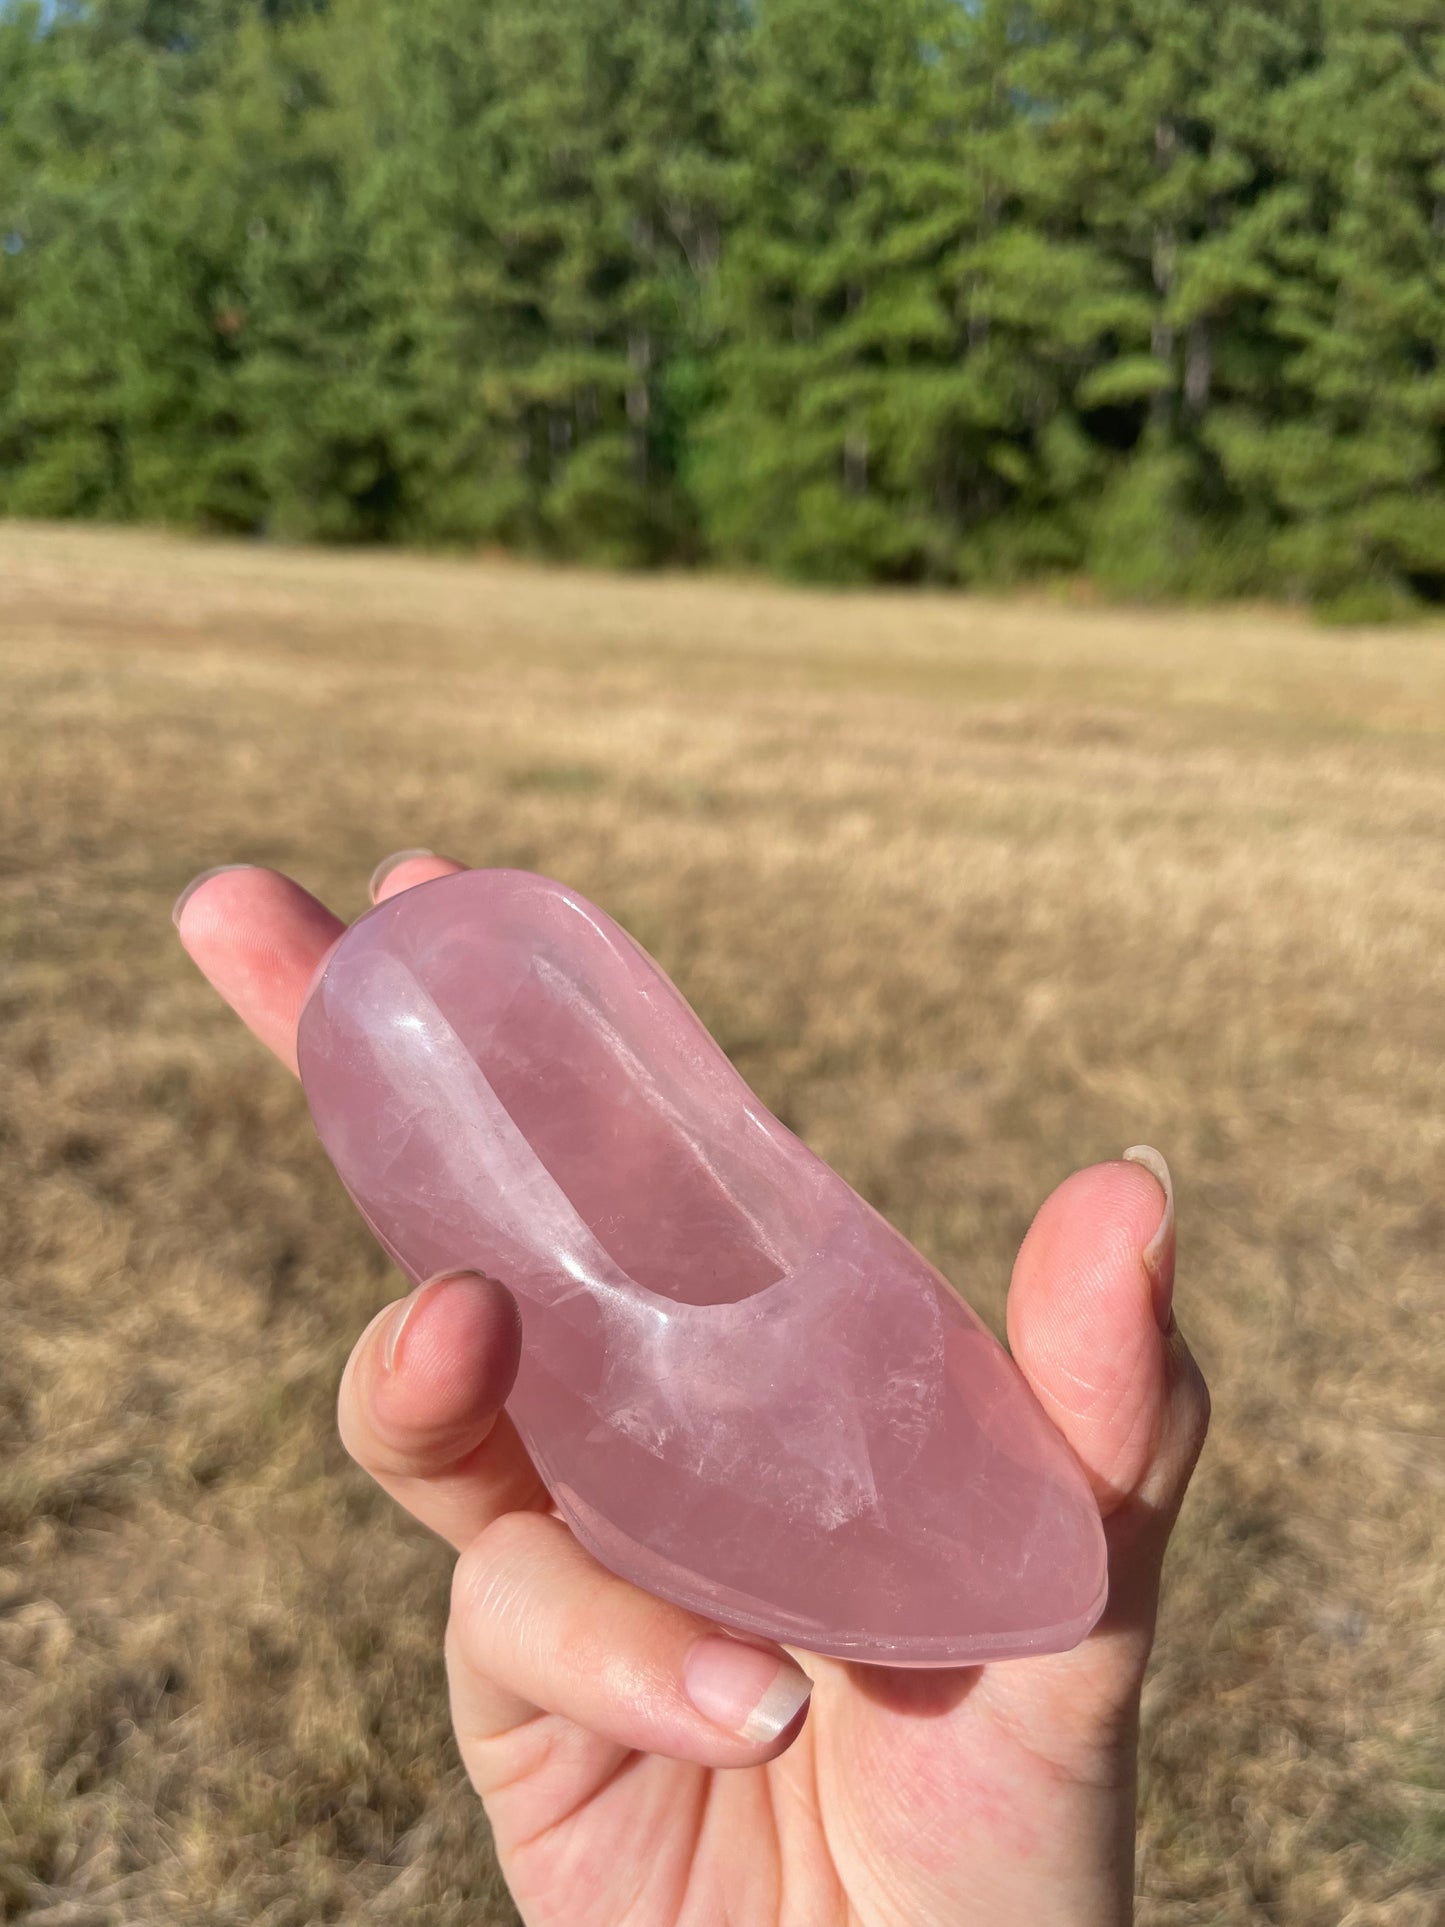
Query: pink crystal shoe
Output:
(745,1391)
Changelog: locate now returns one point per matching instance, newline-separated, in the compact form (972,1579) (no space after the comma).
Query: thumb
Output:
(1091,1325)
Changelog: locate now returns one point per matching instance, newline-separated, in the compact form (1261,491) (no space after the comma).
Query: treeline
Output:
(956,290)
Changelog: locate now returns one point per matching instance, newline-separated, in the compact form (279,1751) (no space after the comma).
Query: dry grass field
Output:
(973,891)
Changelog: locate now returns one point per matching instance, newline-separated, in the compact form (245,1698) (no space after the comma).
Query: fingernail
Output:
(389,863)
(743,1689)
(195,883)
(402,1314)
(1158,1254)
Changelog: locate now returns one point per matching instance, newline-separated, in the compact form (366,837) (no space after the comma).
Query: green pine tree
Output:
(1347,451)
(957,289)
(836,442)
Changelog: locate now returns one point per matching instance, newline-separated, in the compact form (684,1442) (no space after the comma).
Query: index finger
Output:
(258,938)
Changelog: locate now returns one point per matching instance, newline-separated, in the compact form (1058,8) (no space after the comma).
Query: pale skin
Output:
(992,1795)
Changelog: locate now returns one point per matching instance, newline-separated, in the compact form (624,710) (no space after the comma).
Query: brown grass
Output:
(973,891)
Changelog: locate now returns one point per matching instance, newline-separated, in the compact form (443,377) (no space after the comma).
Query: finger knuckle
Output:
(1194,1406)
(348,1425)
(490,1576)
(364,1444)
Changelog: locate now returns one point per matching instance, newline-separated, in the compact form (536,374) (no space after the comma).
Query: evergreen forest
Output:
(960,291)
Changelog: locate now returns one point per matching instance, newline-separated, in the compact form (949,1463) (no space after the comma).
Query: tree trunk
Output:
(978,324)
(639,399)
(855,442)
(855,461)
(559,440)
(1198,366)
(1163,256)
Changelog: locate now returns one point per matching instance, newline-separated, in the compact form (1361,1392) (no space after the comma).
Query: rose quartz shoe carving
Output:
(745,1391)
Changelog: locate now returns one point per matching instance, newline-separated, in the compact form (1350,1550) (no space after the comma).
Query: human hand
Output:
(635,1769)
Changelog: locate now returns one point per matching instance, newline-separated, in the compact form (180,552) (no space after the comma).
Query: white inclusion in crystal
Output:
(746,1394)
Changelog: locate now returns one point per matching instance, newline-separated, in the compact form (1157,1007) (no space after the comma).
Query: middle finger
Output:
(420,1406)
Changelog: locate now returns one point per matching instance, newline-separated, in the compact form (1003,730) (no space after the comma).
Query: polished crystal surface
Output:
(746,1391)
